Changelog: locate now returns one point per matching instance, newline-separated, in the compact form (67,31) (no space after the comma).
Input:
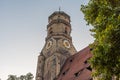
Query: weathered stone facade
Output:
(58,47)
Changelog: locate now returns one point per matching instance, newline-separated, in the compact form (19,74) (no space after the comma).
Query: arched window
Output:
(66,30)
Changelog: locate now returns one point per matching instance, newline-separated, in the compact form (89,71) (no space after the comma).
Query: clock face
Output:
(49,44)
(66,43)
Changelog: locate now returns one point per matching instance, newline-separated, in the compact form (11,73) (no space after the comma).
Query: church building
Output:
(59,59)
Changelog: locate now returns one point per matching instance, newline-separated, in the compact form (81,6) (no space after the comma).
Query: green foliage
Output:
(28,76)
(104,16)
(12,77)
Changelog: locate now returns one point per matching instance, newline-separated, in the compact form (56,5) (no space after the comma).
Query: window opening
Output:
(86,62)
(65,71)
(71,60)
(78,73)
(89,68)
(66,30)
(51,32)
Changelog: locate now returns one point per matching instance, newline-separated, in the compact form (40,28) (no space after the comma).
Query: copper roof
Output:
(76,67)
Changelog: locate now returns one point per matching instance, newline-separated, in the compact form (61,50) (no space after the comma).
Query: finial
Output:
(59,8)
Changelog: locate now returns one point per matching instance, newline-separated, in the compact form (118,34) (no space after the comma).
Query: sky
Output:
(23,25)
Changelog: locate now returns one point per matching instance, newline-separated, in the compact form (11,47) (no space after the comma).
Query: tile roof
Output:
(76,67)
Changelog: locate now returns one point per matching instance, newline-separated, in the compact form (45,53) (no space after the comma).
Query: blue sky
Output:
(23,30)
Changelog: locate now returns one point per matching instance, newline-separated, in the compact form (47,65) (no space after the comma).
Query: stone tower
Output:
(58,46)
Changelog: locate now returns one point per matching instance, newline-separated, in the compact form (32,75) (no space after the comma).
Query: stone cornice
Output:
(58,35)
(59,12)
(58,21)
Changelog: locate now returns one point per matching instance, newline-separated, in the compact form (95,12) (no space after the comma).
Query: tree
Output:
(28,76)
(22,77)
(12,77)
(104,16)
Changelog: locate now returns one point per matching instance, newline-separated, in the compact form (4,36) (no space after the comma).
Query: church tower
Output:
(58,46)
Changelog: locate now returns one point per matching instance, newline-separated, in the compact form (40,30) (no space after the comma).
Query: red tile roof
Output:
(76,67)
